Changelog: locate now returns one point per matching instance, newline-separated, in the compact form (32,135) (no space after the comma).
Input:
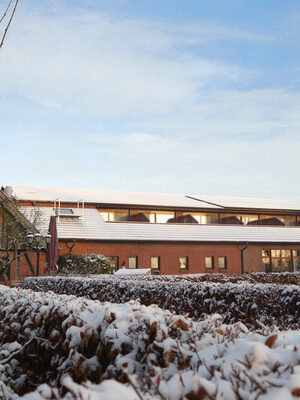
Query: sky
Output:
(179,96)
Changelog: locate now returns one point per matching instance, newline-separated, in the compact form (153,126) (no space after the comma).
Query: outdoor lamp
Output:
(37,238)
(29,238)
(34,245)
(48,238)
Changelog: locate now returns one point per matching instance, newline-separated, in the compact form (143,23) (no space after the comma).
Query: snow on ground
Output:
(105,351)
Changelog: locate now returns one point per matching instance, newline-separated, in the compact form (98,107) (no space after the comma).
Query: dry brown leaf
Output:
(168,357)
(271,340)
(296,392)
(200,394)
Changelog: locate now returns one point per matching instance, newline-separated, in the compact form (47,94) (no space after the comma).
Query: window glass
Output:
(209,262)
(297,264)
(64,211)
(163,216)
(247,219)
(289,220)
(222,262)
(296,253)
(286,253)
(276,267)
(271,220)
(104,215)
(155,262)
(150,215)
(283,219)
(266,264)
(239,219)
(114,215)
(286,265)
(183,262)
(275,253)
(118,215)
(204,218)
(132,262)
(265,253)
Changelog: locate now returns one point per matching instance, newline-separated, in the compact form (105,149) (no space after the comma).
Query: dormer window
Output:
(64,212)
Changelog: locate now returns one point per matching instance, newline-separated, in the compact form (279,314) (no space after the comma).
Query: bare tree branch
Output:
(5,12)
(9,22)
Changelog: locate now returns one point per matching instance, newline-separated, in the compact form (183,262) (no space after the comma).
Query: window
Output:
(287,220)
(266,260)
(64,211)
(271,220)
(163,216)
(222,262)
(183,263)
(209,262)
(277,260)
(114,215)
(238,219)
(296,260)
(132,262)
(281,260)
(155,262)
(141,216)
(204,218)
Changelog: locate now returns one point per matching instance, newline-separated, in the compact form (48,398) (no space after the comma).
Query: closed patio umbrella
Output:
(52,253)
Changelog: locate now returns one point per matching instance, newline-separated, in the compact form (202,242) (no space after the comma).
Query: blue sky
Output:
(183,96)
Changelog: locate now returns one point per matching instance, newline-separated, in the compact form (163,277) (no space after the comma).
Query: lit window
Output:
(275,253)
(132,262)
(266,260)
(209,262)
(281,260)
(296,260)
(114,215)
(204,218)
(163,216)
(238,219)
(155,262)
(183,263)
(141,216)
(222,262)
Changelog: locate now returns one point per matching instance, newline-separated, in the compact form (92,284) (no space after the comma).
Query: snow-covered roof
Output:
(248,202)
(93,227)
(112,198)
(108,197)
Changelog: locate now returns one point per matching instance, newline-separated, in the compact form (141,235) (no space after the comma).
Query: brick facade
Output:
(170,253)
(19,269)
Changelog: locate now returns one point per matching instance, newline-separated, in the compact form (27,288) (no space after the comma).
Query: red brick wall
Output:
(21,271)
(169,255)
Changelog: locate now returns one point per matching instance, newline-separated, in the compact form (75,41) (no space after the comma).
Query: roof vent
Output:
(8,190)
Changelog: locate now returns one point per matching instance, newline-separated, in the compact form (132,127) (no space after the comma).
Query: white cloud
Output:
(179,164)
(92,63)
(194,125)
(228,115)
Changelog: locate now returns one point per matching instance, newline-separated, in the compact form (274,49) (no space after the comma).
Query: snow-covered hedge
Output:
(250,303)
(83,264)
(63,347)
(281,278)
